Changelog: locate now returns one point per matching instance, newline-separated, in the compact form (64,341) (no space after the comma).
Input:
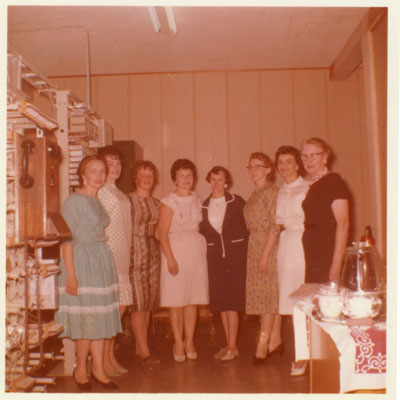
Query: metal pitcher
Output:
(363,270)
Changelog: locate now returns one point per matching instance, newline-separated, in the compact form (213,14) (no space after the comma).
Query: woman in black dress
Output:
(224,228)
(326,210)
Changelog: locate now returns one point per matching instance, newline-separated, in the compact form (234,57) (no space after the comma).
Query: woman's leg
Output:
(82,348)
(139,321)
(97,351)
(189,317)
(275,338)
(110,362)
(224,319)
(233,326)
(176,319)
(266,324)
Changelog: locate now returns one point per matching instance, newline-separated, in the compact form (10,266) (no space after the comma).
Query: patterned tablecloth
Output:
(362,348)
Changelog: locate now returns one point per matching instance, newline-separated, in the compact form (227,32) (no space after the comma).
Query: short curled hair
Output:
(144,164)
(218,169)
(258,155)
(320,143)
(283,150)
(85,161)
(183,163)
(110,151)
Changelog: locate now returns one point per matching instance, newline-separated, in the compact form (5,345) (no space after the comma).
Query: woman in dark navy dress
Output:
(224,228)
(326,210)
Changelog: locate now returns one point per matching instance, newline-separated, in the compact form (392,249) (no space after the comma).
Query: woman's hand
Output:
(262,265)
(334,273)
(71,285)
(173,266)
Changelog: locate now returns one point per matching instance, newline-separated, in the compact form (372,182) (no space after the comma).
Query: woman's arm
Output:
(71,284)
(263,262)
(164,225)
(340,209)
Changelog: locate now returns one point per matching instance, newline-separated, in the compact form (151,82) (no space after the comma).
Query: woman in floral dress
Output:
(262,280)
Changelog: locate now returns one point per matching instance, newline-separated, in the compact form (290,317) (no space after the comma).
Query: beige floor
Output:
(205,375)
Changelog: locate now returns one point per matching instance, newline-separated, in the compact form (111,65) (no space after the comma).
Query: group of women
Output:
(234,255)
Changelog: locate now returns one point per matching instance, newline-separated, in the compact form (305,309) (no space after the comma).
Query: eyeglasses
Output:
(312,156)
(255,167)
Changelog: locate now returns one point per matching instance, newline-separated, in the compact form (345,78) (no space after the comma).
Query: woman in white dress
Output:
(184,280)
(118,232)
(290,215)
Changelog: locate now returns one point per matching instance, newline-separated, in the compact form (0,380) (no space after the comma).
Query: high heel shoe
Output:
(178,357)
(278,349)
(230,355)
(262,346)
(296,370)
(106,385)
(191,355)
(83,387)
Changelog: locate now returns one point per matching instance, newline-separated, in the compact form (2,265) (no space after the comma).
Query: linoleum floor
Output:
(205,375)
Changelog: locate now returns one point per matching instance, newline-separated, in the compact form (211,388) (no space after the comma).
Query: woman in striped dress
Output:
(145,256)
(88,283)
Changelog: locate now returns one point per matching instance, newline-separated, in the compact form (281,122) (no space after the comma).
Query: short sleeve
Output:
(169,201)
(338,188)
(69,211)
(274,227)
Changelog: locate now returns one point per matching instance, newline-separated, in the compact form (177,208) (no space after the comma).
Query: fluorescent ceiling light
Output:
(171,19)
(154,19)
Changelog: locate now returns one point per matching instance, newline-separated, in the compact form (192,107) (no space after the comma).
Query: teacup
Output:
(361,305)
(330,305)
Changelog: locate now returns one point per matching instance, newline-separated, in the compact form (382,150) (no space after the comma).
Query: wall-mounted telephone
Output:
(26,180)
(38,158)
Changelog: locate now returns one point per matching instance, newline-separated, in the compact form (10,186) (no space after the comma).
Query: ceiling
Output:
(122,39)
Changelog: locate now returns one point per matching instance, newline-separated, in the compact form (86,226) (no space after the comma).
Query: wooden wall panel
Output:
(211,125)
(178,130)
(111,100)
(145,121)
(222,117)
(244,122)
(277,110)
(349,152)
(310,108)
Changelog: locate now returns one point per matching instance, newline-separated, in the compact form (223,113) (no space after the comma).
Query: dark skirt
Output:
(319,244)
(227,284)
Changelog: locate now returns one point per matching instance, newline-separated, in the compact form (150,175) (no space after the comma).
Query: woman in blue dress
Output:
(88,283)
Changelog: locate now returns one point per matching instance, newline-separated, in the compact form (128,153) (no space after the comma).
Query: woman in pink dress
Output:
(184,280)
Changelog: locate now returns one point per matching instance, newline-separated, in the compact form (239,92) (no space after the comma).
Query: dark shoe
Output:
(262,347)
(106,385)
(278,349)
(83,387)
(258,360)
(150,360)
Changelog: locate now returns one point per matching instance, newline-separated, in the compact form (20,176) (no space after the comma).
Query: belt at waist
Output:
(294,228)
(90,239)
(319,226)
(144,236)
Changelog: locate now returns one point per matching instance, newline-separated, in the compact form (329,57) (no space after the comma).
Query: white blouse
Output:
(216,213)
(289,211)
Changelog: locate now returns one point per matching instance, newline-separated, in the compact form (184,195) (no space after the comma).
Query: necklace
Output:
(320,174)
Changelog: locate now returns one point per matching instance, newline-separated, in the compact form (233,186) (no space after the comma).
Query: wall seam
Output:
(194,112)
(162,127)
(227,136)
(260,108)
